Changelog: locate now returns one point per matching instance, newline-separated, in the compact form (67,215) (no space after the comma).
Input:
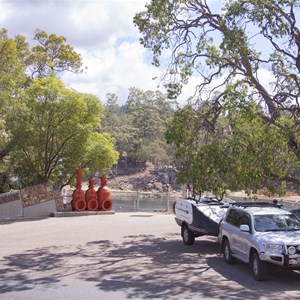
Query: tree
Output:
(56,132)
(24,99)
(203,160)
(118,124)
(11,78)
(52,54)
(228,49)
(139,126)
(148,112)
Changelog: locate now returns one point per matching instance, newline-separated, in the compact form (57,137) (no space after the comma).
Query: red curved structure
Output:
(78,202)
(106,205)
(103,194)
(91,196)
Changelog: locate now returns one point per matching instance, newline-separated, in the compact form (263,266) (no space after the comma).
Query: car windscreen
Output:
(281,222)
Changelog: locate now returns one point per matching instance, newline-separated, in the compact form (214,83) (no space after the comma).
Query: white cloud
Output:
(115,70)
(102,31)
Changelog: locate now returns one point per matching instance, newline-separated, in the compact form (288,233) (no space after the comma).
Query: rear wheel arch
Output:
(251,252)
(227,255)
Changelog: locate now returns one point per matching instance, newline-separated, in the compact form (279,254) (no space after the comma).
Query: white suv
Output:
(260,234)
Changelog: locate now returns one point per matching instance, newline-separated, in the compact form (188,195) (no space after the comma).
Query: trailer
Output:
(199,217)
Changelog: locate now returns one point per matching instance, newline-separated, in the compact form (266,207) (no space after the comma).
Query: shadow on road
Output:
(144,267)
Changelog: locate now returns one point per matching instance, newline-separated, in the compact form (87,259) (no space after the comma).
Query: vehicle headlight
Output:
(292,250)
(273,248)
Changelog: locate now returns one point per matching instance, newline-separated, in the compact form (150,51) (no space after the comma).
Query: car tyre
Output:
(188,236)
(228,258)
(259,268)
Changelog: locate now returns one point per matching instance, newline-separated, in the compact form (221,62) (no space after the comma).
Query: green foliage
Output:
(52,54)
(11,69)
(148,113)
(139,126)
(56,132)
(117,123)
(46,130)
(12,77)
(236,159)
(239,132)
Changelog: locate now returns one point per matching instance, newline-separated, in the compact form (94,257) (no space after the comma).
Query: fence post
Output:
(135,201)
(138,201)
(168,201)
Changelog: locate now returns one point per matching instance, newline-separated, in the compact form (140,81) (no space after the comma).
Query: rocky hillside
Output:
(147,179)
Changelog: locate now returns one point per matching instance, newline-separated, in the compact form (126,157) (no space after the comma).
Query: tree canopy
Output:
(139,126)
(52,54)
(245,127)
(46,129)
(56,132)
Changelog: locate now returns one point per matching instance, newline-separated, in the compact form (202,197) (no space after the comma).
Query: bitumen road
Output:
(123,256)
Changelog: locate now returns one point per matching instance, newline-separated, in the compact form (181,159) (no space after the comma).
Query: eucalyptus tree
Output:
(19,63)
(246,56)
(138,126)
(46,130)
(12,77)
(58,131)
(148,112)
(52,54)
(118,124)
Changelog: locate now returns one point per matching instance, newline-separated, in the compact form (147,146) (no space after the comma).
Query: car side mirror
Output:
(244,228)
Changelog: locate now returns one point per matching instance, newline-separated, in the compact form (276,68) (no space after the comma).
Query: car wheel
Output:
(187,235)
(259,268)
(228,258)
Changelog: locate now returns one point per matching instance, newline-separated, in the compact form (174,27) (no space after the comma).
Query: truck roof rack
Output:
(257,204)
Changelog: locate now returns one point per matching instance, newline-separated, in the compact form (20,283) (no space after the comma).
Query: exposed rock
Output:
(148,179)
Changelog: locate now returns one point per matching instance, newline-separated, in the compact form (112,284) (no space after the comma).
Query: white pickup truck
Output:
(261,235)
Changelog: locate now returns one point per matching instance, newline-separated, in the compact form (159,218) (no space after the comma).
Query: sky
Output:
(101,31)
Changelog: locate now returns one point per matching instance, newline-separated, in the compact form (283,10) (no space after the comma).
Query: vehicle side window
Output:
(231,217)
(244,219)
(237,218)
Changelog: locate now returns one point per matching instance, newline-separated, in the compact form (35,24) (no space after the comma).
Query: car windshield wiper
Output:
(281,229)
(274,229)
